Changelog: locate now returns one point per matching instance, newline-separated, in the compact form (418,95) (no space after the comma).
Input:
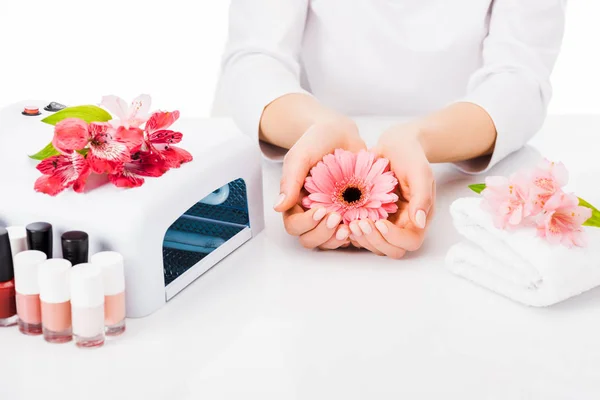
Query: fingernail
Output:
(333,220)
(355,229)
(280,200)
(342,233)
(319,214)
(421,219)
(381,227)
(366,228)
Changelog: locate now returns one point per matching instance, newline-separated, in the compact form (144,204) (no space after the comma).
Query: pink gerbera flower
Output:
(62,172)
(357,186)
(562,222)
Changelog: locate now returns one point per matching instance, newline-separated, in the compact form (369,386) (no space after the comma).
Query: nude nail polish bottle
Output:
(39,237)
(113,273)
(55,300)
(87,305)
(8,306)
(18,239)
(28,291)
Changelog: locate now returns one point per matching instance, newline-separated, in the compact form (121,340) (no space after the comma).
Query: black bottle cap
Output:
(75,246)
(6,262)
(39,237)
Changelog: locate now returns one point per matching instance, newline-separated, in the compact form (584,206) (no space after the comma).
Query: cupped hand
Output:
(315,228)
(405,230)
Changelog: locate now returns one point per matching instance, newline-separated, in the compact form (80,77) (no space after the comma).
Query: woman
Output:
(473,74)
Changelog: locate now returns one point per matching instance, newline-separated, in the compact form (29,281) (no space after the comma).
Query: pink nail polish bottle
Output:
(55,299)
(28,291)
(87,305)
(18,239)
(113,273)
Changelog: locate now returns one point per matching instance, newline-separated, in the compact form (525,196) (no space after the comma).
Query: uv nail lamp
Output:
(170,231)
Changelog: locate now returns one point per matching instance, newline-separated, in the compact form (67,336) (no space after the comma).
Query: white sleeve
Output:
(513,85)
(261,60)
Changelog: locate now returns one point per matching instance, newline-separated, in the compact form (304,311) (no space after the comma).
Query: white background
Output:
(75,51)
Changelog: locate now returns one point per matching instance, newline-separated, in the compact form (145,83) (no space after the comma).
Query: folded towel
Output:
(516,263)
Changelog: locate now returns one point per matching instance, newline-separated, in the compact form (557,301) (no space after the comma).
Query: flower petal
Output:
(116,105)
(139,110)
(320,197)
(175,156)
(126,179)
(377,169)
(346,160)
(161,120)
(322,179)
(70,134)
(165,136)
(130,137)
(334,168)
(364,162)
(60,172)
(107,157)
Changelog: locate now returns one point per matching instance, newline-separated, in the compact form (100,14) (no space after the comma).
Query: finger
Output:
(340,239)
(361,238)
(325,230)
(297,221)
(409,239)
(374,237)
(296,166)
(421,195)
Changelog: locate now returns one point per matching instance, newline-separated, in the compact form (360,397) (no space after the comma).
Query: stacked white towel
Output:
(518,264)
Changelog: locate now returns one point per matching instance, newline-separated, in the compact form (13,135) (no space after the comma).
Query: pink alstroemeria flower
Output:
(105,154)
(61,172)
(132,116)
(128,119)
(143,163)
(563,219)
(161,139)
(547,180)
(357,186)
(506,200)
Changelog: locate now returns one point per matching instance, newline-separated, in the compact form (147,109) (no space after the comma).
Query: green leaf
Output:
(477,188)
(595,218)
(86,113)
(46,152)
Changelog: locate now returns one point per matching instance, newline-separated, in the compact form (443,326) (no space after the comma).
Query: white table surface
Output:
(276,321)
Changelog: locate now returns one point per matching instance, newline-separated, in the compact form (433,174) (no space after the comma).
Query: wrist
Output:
(409,136)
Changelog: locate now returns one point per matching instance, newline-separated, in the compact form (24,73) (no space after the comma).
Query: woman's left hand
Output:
(405,230)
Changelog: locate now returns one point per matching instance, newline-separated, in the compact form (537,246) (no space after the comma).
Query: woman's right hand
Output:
(315,228)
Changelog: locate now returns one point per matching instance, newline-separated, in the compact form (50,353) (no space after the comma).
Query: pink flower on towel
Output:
(357,186)
(546,180)
(506,200)
(563,219)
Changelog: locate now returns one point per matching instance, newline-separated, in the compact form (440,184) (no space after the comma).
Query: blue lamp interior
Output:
(204,227)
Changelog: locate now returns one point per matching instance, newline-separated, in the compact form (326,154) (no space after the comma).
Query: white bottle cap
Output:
(113,271)
(53,278)
(18,239)
(87,288)
(26,271)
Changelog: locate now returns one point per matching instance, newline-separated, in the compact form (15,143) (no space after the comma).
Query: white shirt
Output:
(396,58)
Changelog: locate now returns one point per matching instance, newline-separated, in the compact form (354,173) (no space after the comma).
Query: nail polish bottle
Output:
(75,246)
(87,305)
(55,299)
(114,290)
(39,237)
(18,239)
(8,306)
(28,291)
